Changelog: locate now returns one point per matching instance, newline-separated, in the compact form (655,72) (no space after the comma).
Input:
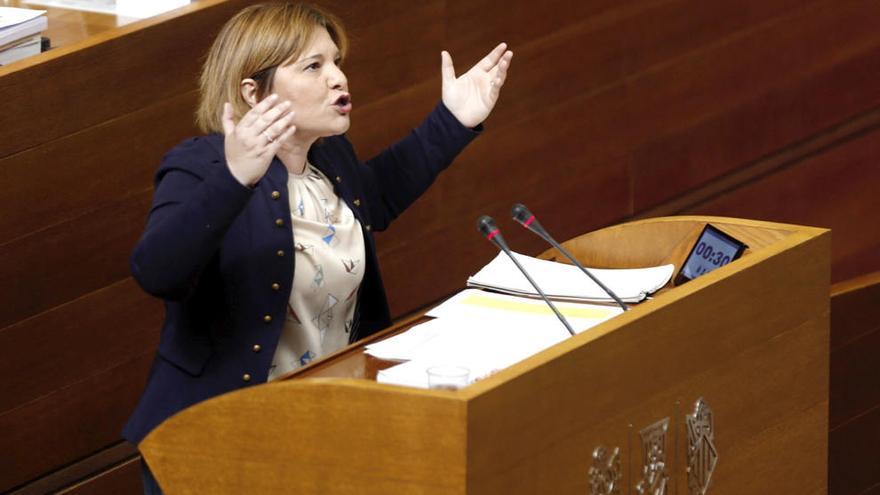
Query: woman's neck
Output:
(294,154)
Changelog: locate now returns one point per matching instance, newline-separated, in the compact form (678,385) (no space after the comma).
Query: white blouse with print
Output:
(328,269)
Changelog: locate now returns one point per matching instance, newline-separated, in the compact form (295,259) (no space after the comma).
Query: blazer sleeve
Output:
(402,172)
(195,202)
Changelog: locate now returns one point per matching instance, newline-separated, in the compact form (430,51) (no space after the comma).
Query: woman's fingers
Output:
(273,146)
(270,117)
(490,60)
(447,70)
(275,132)
(262,124)
(257,110)
(251,144)
(503,65)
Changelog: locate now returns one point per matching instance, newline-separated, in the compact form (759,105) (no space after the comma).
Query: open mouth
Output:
(343,103)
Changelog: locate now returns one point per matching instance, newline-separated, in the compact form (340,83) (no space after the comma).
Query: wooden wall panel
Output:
(96,470)
(612,110)
(70,423)
(854,372)
(854,416)
(74,341)
(124,478)
(852,456)
(588,49)
(80,173)
(70,259)
(856,309)
(725,143)
(755,101)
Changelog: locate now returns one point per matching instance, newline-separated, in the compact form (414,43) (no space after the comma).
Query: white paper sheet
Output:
(10,16)
(404,345)
(127,10)
(563,281)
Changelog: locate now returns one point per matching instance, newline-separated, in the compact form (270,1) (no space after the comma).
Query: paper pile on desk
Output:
(483,332)
(20,33)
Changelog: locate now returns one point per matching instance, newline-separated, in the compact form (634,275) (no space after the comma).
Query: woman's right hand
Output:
(251,144)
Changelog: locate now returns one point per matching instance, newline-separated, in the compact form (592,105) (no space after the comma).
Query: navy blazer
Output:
(221,256)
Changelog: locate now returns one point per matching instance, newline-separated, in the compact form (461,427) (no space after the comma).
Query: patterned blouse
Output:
(329,250)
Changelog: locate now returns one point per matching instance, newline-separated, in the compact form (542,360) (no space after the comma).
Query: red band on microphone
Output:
(493,234)
(529,221)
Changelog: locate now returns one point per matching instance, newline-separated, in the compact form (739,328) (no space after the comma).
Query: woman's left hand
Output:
(472,96)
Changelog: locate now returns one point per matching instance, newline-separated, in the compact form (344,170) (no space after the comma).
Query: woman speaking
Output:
(260,235)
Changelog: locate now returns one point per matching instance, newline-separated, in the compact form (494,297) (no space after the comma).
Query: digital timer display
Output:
(713,249)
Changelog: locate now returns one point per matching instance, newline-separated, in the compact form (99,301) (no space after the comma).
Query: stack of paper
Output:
(567,282)
(20,33)
(99,6)
(124,10)
(482,331)
(486,332)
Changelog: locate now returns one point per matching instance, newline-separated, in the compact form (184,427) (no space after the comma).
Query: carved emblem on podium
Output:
(605,472)
(701,453)
(654,476)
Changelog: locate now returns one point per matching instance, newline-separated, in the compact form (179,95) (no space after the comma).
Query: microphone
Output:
(527,219)
(487,227)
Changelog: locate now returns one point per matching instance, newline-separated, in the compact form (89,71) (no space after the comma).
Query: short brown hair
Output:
(252,45)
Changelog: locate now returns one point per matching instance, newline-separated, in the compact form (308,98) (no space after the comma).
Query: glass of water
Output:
(448,377)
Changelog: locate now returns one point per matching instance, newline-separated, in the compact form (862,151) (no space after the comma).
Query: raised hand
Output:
(251,143)
(472,96)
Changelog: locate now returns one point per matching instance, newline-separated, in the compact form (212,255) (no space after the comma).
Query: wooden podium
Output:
(751,339)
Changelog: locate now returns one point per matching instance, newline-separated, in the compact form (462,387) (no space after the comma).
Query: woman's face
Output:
(316,88)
